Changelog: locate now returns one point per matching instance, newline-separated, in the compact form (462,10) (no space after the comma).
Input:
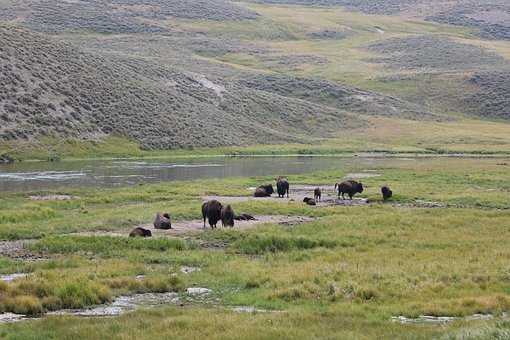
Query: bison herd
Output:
(213,211)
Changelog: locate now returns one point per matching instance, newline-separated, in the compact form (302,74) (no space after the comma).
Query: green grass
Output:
(345,274)
(393,136)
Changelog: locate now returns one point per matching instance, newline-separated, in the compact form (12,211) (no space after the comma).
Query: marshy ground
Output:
(340,271)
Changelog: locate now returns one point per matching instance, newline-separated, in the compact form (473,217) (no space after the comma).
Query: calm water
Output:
(30,176)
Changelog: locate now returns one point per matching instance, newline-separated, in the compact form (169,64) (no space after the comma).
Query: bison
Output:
(309,201)
(264,191)
(317,194)
(140,232)
(282,187)
(162,221)
(349,187)
(386,192)
(227,216)
(212,211)
(244,217)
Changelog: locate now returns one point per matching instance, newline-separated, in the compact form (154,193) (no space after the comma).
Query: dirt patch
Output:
(197,226)
(296,194)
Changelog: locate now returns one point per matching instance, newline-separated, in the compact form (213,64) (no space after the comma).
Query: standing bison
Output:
(349,187)
(282,187)
(227,216)
(264,191)
(211,211)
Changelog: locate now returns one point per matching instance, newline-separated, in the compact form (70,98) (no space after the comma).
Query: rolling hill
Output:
(178,74)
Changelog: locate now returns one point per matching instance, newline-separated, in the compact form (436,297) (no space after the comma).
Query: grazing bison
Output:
(227,216)
(309,201)
(212,211)
(264,191)
(349,187)
(140,232)
(244,217)
(317,194)
(282,187)
(386,192)
(162,221)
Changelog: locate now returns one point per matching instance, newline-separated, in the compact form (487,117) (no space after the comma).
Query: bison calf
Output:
(317,193)
(386,192)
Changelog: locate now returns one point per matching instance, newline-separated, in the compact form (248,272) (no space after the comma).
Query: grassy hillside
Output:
(490,18)
(178,74)
(56,90)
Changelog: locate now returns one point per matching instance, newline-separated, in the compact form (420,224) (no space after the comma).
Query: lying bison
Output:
(309,201)
(317,193)
(386,192)
(244,217)
(282,187)
(264,191)
(227,216)
(162,221)
(349,187)
(212,211)
(140,232)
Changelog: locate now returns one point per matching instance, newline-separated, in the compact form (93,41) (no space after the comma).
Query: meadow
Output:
(343,275)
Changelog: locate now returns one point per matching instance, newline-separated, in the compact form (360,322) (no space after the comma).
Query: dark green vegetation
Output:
(345,274)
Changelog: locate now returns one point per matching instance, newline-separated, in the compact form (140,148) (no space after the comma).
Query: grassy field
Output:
(344,275)
(381,135)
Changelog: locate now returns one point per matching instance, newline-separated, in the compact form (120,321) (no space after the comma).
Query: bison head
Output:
(359,188)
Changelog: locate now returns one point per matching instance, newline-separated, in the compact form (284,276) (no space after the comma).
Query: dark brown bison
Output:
(386,192)
(317,194)
(162,221)
(244,217)
(140,232)
(349,187)
(212,211)
(227,216)
(309,201)
(264,191)
(282,187)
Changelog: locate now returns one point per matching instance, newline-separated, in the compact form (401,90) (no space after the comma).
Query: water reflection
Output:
(30,176)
